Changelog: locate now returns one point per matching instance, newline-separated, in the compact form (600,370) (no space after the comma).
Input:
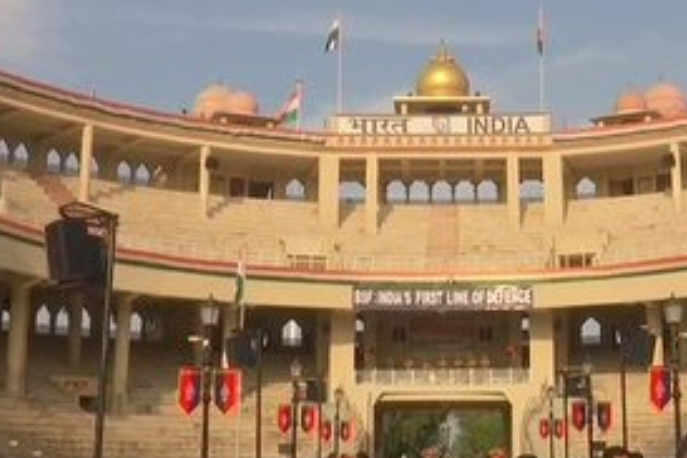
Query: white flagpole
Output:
(541,44)
(339,84)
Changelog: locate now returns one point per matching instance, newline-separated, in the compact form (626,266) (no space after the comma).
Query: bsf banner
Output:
(659,386)
(579,414)
(603,415)
(326,430)
(189,389)
(284,418)
(228,390)
(544,428)
(309,418)
(560,427)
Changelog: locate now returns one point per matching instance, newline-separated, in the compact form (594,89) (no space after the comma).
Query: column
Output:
(513,189)
(120,375)
(17,340)
(371,195)
(342,349)
(85,159)
(204,180)
(654,323)
(553,185)
(542,341)
(328,191)
(75,310)
(676,177)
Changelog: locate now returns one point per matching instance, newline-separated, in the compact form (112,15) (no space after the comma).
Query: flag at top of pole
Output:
(541,38)
(333,37)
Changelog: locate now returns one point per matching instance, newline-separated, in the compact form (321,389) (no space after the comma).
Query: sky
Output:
(160,54)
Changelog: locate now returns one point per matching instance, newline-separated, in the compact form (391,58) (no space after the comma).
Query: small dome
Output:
(443,77)
(631,101)
(666,99)
(242,103)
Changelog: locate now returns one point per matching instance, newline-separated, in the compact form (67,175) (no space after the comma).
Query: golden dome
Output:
(443,77)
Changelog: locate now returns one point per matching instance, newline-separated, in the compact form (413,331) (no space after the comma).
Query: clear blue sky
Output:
(161,53)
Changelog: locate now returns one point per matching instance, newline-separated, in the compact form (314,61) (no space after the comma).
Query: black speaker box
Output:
(73,254)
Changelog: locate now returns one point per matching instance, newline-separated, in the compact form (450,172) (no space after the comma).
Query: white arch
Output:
(487,191)
(585,188)
(396,192)
(465,192)
(53,161)
(352,191)
(71,164)
(418,192)
(442,192)
(291,334)
(124,172)
(295,190)
(42,320)
(590,332)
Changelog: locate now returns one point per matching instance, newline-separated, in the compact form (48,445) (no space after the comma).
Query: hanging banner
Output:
(346,431)
(579,414)
(560,428)
(308,417)
(659,386)
(228,390)
(189,389)
(544,428)
(284,418)
(603,415)
(326,430)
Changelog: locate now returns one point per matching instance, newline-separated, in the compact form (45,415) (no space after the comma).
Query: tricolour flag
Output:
(291,111)
(540,32)
(333,37)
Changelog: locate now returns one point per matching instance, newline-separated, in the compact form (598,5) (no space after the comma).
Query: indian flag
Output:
(333,37)
(291,111)
(240,283)
(541,38)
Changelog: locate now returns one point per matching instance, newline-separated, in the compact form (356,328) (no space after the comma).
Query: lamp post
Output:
(672,314)
(296,372)
(209,313)
(551,395)
(338,399)
(587,369)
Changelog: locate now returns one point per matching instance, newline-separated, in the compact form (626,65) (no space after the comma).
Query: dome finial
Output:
(443,76)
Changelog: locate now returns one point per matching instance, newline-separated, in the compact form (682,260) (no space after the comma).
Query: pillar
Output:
(676,177)
(371,195)
(342,349)
(120,375)
(75,310)
(513,190)
(17,340)
(328,191)
(654,323)
(204,180)
(553,184)
(542,341)
(85,159)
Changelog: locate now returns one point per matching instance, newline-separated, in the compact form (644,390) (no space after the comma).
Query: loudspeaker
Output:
(73,254)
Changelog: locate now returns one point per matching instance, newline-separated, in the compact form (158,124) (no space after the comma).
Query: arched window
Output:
(465,192)
(95,168)
(585,188)
(124,172)
(442,192)
(85,323)
(418,192)
(487,191)
(42,321)
(396,192)
(142,175)
(53,162)
(4,319)
(20,157)
(62,322)
(590,332)
(4,152)
(136,326)
(532,191)
(295,190)
(291,334)
(71,165)
(352,191)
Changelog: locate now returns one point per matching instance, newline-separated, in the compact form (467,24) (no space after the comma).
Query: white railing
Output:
(467,377)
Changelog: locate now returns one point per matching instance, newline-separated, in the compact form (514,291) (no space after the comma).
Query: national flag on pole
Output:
(540,32)
(291,111)
(240,285)
(333,37)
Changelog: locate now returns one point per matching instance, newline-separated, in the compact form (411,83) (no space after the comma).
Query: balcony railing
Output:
(467,377)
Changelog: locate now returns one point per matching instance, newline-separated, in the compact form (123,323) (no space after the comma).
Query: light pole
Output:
(672,314)
(338,399)
(209,313)
(551,394)
(296,373)
(587,369)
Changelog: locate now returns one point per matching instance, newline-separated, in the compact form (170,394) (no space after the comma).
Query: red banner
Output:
(326,430)
(346,431)
(579,414)
(189,388)
(603,415)
(560,428)
(544,428)
(660,386)
(228,390)
(308,417)
(284,418)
